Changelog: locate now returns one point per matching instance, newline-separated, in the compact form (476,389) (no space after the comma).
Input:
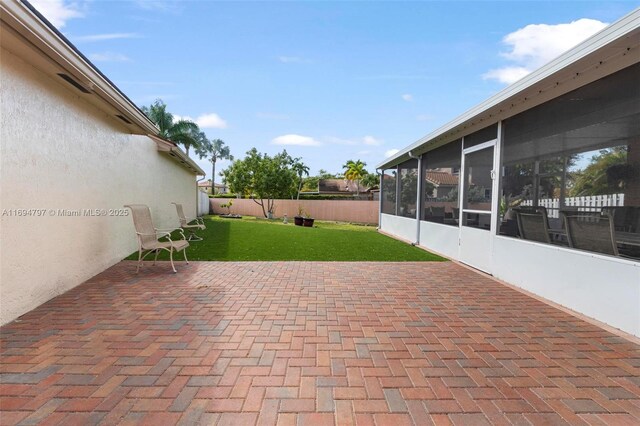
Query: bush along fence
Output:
(333,210)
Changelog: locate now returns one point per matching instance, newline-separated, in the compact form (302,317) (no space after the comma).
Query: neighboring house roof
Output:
(610,50)
(339,186)
(442,178)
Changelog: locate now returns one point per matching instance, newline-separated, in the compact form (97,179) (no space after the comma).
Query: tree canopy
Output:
(184,132)
(263,178)
(214,150)
(355,171)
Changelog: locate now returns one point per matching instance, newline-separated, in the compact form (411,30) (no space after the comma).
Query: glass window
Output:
(389,191)
(571,169)
(441,178)
(408,188)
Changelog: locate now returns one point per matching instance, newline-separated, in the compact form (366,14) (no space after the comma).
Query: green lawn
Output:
(261,239)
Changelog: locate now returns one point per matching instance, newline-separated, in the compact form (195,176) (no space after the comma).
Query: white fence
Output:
(587,204)
(203,203)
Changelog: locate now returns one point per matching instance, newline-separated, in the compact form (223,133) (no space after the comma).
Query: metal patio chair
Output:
(533,224)
(149,236)
(184,224)
(592,232)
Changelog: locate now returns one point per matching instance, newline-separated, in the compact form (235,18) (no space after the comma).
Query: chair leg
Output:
(156,257)
(184,251)
(193,237)
(139,261)
(171,259)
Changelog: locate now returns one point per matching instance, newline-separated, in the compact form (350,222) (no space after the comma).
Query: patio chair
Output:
(184,224)
(149,236)
(533,224)
(592,232)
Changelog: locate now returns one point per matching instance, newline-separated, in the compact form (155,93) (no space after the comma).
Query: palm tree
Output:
(354,171)
(371,180)
(184,132)
(213,150)
(300,168)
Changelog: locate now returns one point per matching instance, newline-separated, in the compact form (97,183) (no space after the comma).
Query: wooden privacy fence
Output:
(338,210)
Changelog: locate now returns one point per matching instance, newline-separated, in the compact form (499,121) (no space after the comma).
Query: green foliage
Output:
(323,174)
(214,150)
(300,169)
(227,206)
(371,180)
(223,196)
(606,174)
(263,178)
(251,239)
(355,171)
(310,184)
(184,132)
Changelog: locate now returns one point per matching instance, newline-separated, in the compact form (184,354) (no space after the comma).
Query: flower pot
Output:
(298,220)
(308,222)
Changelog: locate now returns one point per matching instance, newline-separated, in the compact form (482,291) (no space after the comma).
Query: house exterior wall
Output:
(403,227)
(60,152)
(601,287)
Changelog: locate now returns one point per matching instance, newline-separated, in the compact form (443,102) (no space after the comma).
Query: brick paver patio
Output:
(311,343)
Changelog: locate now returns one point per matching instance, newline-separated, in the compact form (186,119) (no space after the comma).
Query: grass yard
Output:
(260,239)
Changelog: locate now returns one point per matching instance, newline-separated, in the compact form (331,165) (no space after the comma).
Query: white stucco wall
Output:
(60,152)
(403,227)
(601,287)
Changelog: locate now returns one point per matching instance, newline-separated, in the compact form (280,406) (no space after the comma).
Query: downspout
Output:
(380,199)
(418,196)
(198,193)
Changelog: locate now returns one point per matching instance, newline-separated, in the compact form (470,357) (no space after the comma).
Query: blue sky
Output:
(327,81)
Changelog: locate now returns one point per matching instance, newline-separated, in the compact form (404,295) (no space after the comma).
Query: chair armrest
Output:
(168,232)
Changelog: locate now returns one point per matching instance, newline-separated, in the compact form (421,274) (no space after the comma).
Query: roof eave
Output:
(625,26)
(179,155)
(36,30)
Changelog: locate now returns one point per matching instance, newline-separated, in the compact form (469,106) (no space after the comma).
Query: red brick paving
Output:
(311,343)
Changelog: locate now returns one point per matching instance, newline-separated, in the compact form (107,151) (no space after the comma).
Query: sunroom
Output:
(539,185)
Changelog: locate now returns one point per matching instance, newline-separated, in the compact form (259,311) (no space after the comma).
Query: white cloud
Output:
(535,45)
(391,152)
(58,12)
(297,140)
(407,97)
(211,121)
(108,57)
(371,141)
(204,121)
(103,37)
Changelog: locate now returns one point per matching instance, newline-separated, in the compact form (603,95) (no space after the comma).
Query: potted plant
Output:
(308,220)
(298,220)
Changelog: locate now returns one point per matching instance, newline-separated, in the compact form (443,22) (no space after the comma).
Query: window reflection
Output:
(408,188)
(575,181)
(441,179)
(389,191)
